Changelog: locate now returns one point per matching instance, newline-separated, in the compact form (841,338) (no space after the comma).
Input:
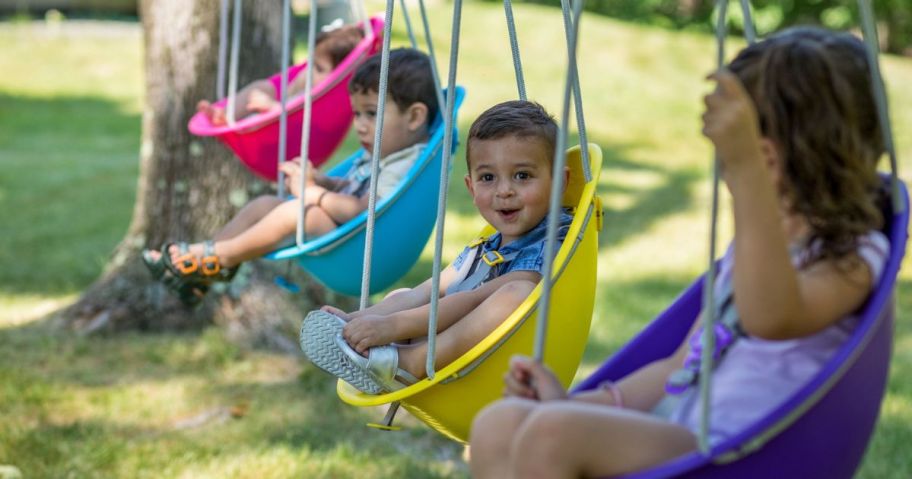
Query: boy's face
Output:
(399,127)
(510,182)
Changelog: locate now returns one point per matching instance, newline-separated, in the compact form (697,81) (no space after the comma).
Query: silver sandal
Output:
(323,344)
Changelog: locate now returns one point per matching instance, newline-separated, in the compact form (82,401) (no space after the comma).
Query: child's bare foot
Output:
(215,114)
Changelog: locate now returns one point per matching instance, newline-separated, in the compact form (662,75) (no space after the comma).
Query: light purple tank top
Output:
(756,375)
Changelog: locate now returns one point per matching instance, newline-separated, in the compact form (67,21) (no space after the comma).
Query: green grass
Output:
(125,406)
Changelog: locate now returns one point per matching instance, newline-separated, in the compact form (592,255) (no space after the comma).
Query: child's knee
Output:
(264,203)
(543,428)
(499,421)
(395,292)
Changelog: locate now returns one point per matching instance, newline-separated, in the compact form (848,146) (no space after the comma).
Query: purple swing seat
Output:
(823,429)
(255,139)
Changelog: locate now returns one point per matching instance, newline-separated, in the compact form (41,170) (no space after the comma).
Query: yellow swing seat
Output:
(450,400)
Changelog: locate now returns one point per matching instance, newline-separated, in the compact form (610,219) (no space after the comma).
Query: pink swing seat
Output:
(255,139)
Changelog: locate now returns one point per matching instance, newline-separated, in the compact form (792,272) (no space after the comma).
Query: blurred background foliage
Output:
(895,16)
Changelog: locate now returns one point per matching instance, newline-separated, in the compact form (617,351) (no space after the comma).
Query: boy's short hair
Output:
(338,43)
(520,118)
(410,80)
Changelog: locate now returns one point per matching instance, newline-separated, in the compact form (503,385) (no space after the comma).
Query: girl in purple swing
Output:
(795,127)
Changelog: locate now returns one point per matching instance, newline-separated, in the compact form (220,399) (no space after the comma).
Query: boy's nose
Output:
(504,190)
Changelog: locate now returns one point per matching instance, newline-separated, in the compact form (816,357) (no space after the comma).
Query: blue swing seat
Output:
(823,429)
(402,226)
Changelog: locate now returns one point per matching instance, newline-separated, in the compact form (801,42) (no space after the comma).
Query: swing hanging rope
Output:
(514,49)
(222,50)
(869,34)
(432,55)
(308,115)
(235,54)
(408,25)
(283,94)
(444,188)
(709,319)
(577,93)
(375,155)
(557,176)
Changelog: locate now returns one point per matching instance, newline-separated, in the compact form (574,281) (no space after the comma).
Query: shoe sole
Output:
(318,333)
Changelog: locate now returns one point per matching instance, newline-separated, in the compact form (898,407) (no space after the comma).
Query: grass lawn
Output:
(195,405)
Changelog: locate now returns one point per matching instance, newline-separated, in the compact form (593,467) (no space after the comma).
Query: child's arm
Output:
(342,207)
(774,300)
(373,330)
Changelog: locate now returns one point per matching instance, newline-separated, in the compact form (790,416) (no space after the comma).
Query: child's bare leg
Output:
(493,430)
(570,439)
(468,331)
(270,232)
(264,235)
(249,215)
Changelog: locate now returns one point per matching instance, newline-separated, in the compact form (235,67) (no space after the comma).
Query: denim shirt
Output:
(530,247)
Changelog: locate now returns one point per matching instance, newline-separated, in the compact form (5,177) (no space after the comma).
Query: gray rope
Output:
(308,114)
(557,177)
(444,186)
(235,54)
(750,33)
(365,19)
(709,337)
(222,51)
(577,97)
(283,94)
(514,49)
(431,55)
(869,32)
(408,25)
(375,155)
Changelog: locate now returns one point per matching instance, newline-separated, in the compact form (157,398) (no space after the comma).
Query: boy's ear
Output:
(566,179)
(417,114)
(468,183)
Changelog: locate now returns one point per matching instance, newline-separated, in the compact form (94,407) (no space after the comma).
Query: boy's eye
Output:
(486,177)
(522,175)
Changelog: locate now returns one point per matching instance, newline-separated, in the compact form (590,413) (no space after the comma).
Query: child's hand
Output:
(260,102)
(336,312)
(730,121)
(369,330)
(531,380)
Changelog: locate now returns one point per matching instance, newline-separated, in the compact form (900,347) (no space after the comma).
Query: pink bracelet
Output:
(615,391)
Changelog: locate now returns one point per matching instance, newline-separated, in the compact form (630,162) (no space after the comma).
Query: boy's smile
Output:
(510,183)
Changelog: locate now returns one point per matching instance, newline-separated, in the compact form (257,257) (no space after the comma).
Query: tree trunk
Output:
(189,187)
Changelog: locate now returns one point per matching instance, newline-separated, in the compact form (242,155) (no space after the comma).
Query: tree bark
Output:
(189,187)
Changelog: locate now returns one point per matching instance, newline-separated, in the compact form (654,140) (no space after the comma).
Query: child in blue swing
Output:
(509,153)
(270,221)
(794,124)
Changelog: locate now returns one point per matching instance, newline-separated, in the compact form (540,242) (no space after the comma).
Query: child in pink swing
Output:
(795,128)
(330,49)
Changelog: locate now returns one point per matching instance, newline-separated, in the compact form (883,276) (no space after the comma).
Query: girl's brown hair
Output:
(813,95)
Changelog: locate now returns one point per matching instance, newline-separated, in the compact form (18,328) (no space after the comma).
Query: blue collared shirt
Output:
(531,247)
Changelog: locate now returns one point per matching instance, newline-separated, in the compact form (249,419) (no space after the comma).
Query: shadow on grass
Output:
(67,189)
(118,405)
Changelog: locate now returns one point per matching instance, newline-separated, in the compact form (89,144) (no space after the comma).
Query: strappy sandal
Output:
(323,344)
(188,276)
